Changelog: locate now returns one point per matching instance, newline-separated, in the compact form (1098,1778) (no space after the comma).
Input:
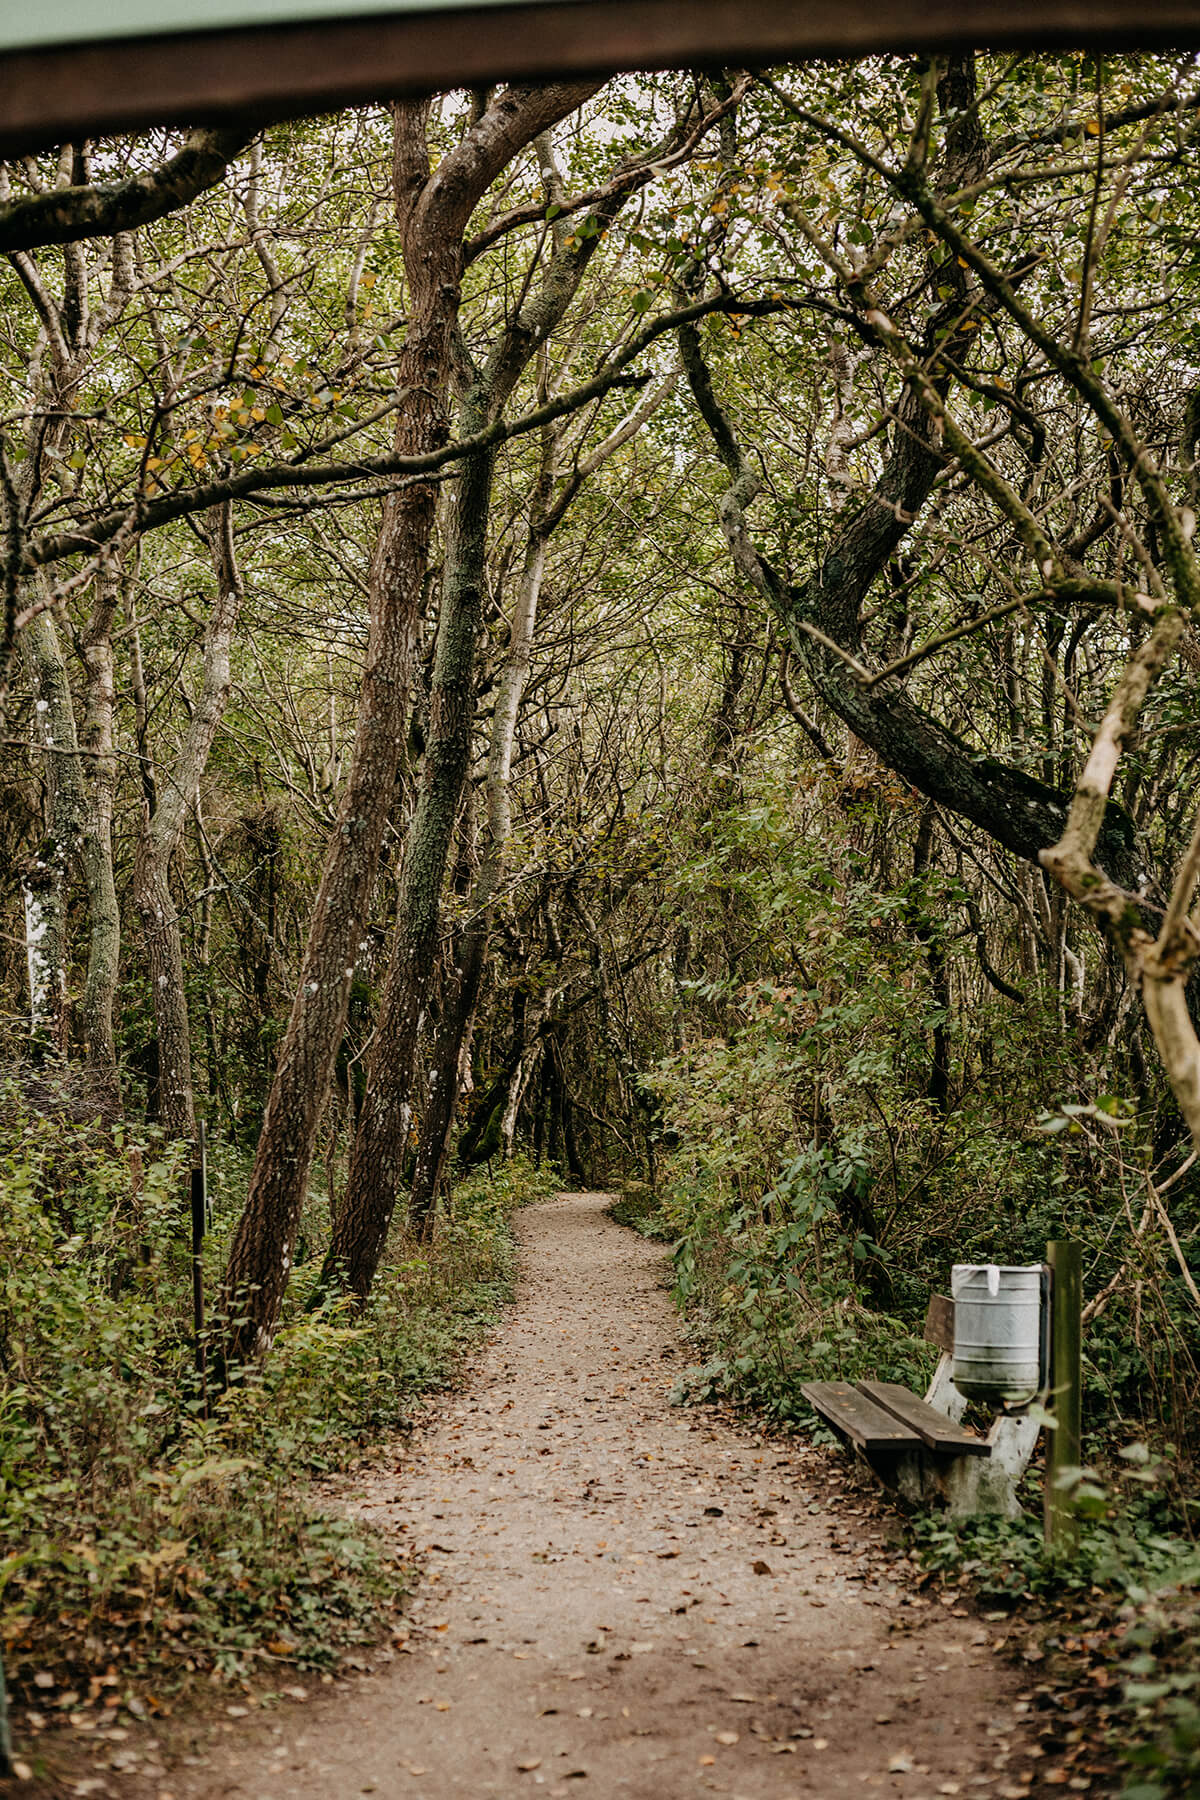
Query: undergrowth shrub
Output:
(839,1125)
(1125,1603)
(143,1527)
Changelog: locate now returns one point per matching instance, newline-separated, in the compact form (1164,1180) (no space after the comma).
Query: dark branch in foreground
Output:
(65,215)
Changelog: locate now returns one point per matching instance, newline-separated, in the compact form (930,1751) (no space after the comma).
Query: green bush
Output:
(1132,1579)
(142,1526)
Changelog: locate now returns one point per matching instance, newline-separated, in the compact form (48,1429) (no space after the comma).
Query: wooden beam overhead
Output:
(53,91)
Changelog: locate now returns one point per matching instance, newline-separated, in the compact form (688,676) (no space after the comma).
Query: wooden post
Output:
(199,1225)
(1064,1449)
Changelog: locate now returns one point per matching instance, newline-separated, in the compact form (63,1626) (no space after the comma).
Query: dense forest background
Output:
(551,636)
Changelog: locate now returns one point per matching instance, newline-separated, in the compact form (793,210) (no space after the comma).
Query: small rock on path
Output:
(624,1599)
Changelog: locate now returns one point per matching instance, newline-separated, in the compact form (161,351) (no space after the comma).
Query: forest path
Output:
(591,1620)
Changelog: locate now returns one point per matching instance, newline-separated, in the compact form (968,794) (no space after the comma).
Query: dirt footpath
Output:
(625,1599)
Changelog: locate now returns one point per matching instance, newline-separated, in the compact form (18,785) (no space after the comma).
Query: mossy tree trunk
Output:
(433,208)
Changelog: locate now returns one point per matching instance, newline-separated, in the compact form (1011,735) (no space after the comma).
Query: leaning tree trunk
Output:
(451,1049)
(162,829)
(433,209)
(462,996)
(382,1139)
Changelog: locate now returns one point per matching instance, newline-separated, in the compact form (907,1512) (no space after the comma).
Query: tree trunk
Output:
(46,875)
(452,1047)
(162,829)
(453,1038)
(433,208)
(381,1142)
(104,950)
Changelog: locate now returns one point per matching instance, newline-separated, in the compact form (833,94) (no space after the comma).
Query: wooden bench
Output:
(920,1447)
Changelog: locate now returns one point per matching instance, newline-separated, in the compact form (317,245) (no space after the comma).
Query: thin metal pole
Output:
(199,1224)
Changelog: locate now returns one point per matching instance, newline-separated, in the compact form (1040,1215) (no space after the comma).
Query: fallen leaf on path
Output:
(639,1649)
(706,1762)
(530,1763)
(726,1737)
(417,1769)
(760,1567)
(901,1763)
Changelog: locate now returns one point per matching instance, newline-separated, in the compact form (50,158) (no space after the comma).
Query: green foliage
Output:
(143,1528)
(818,1187)
(1132,1590)
(483,1199)
(638,1207)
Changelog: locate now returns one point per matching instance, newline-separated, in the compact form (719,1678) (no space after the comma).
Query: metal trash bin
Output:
(999,1332)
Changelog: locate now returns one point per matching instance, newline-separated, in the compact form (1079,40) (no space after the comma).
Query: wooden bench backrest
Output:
(939,1322)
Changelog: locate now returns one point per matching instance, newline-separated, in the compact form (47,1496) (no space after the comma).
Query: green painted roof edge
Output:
(30,27)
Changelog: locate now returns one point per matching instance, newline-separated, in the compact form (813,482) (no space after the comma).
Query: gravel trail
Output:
(622,1598)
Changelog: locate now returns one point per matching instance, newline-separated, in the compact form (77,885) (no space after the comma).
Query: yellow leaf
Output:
(160,1558)
(1092,128)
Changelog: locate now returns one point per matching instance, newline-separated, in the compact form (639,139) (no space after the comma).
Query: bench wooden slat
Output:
(939,1322)
(855,1413)
(931,1426)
